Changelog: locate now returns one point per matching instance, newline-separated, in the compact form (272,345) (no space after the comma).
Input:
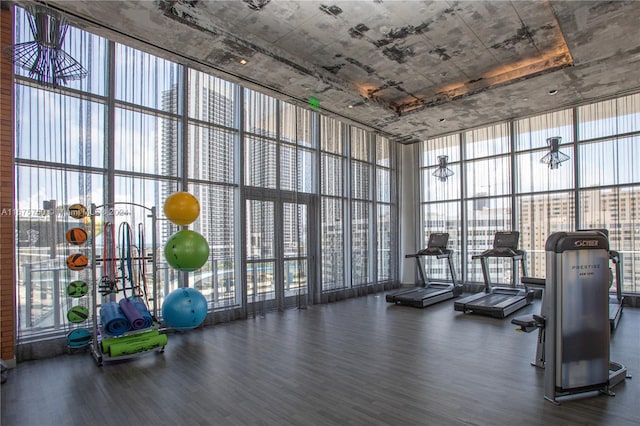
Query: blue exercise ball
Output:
(184,308)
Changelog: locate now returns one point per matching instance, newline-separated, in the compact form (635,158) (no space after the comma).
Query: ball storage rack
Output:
(100,216)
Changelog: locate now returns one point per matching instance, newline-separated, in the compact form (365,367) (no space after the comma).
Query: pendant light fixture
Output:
(442,172)
(554,157)
(43,57)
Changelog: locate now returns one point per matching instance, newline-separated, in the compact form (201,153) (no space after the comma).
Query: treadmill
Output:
(497,301)
(429,292)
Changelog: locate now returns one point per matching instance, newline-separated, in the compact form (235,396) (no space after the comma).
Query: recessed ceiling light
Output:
(553,91)
(442,120)
(243,61)
(350,106)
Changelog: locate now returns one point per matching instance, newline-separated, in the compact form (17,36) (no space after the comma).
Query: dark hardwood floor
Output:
(356,362)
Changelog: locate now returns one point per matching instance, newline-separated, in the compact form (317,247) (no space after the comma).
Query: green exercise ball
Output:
(186,250)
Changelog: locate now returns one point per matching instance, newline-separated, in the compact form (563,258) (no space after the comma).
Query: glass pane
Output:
(331,135)
(617,209)
(441,217)
(259,114)
(260,163)
(296,171)
(608,118)
(211,99)
(538,217)
(383,185)
(296,125)
(360,144)
(610,162)
(294,223)
(332,240)
(146,80)
(217,282)
(145,143)
(383,151)
(385,255)
(88,49)
(484,218)
(628,119)
(295,277)
(533,132)
(628,160)
(41,220)
(295,246)
(261,280)
(492,140)
(331,175)
(56,128)
(489,177)
(260,231)
(534,176)
(360,243)
(138,191)
(216,223)
(149,193)
(146,192)
(211,154)
(360,180)
(433,189)
(431,149)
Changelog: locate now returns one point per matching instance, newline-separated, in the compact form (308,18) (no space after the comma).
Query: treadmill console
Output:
(505,244)
(438,240)
(506,240)
(437,244)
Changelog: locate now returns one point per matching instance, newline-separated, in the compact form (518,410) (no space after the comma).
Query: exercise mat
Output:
(106,343)
(130,347)
(114,323)
(133,315)
(144,311)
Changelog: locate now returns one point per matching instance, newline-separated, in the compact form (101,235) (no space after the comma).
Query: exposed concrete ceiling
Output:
(410,69)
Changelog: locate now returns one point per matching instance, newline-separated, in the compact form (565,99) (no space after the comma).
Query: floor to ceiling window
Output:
(277,184)
(507,185)
(544,198)
(385,220)
(361,207)
(609,154)
(441,209)
(212,172)
(332,190)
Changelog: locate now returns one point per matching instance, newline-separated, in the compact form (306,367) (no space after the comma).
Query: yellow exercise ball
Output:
(181,208)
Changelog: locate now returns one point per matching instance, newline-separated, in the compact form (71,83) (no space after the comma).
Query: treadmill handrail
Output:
(534,282)
(438,253)
(434,251)
(502,252)
(499,252)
